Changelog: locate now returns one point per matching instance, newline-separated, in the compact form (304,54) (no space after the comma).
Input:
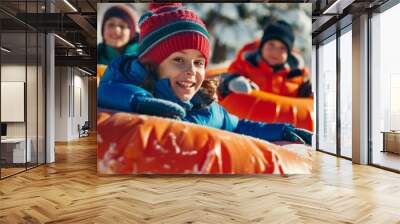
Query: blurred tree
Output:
(233,25)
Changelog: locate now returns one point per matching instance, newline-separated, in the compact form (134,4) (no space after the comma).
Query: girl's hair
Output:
(207,92)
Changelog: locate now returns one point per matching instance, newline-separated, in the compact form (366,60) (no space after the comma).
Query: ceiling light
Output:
(337,7)
(65,41)
(5,50)
(79,51)
(70,5)
(326,11)
(84,71)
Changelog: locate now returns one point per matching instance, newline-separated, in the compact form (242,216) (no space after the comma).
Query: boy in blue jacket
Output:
(167,78)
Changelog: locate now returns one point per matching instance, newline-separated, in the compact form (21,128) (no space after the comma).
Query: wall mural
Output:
(211,88)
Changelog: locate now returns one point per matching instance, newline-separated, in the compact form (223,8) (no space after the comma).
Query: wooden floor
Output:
(69,191)
(5,172)
(10,171)
(387,159)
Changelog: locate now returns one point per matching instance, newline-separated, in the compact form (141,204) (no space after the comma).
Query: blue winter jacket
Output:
(120,84)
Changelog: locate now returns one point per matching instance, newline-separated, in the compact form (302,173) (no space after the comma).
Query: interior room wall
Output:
(80,109)
(16,72)
(61,103)
(71,102)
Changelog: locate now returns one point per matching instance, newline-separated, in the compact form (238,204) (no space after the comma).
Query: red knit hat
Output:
(169,28)
(125,13)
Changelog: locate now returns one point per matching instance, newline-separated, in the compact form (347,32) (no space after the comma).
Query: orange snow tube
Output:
(141,144)
(268,107)
(100,71)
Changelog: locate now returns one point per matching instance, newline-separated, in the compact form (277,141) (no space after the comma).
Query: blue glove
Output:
(157,107)
(293,134)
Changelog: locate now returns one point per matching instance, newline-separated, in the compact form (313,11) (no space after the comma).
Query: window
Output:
(327,96)
(22,75)
(346,94)
(385,85)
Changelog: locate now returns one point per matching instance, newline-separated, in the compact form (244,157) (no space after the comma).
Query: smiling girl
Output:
(168,78)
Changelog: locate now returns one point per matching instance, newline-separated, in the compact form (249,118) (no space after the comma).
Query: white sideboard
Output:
(16,147)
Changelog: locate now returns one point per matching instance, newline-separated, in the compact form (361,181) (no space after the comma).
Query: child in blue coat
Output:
(167,78)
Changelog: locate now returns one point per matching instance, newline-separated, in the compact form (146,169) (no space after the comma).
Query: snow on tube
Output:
(141,144)
(268,107)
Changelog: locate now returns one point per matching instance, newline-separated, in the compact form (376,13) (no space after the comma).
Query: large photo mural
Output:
(211,88)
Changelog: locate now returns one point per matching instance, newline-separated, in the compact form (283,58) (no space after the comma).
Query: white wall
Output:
(80,112)
(61,103)
(82,83)
(71,94)
(13,73)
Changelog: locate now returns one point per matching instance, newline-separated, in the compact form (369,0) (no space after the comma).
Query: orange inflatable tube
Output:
(268,107)
(141,144)
(100,71)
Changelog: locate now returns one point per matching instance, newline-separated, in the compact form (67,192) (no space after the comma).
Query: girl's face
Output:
(116,32)
(186,72)
(274,52)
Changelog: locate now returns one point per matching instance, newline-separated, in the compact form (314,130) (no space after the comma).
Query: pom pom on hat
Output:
(168,28)
(156,6)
